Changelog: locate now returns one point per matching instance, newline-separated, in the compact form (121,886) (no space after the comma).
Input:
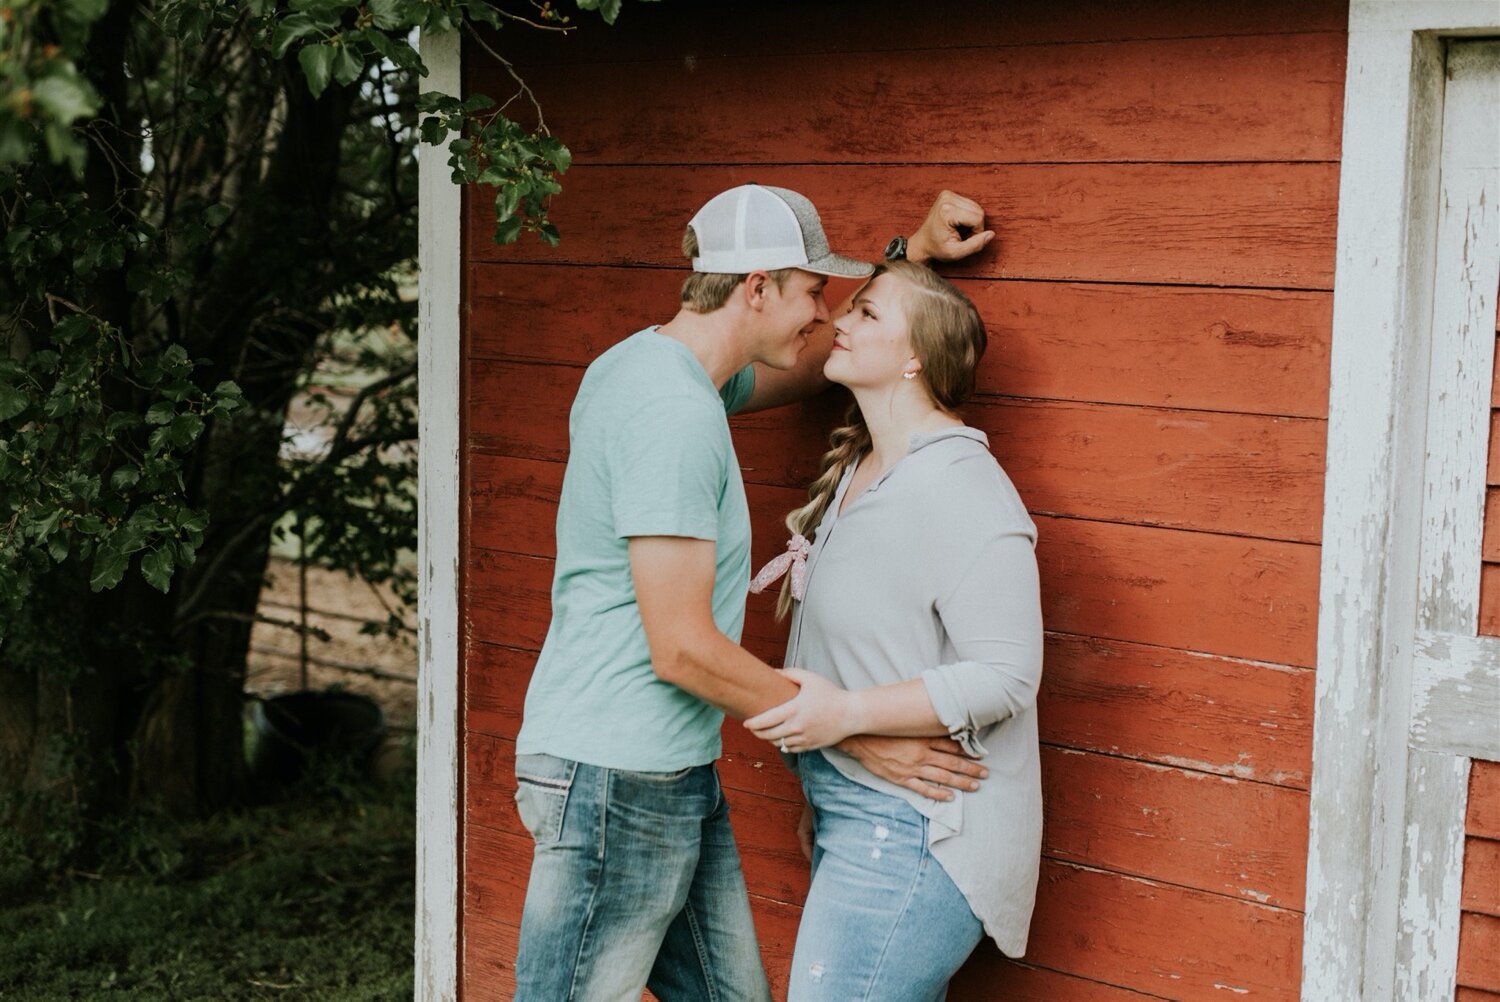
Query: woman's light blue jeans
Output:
(883,921)
(635,880)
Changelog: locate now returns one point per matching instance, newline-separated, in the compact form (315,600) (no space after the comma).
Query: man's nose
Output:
(822,314)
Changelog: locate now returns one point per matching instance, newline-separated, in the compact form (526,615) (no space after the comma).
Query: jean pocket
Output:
(542,787)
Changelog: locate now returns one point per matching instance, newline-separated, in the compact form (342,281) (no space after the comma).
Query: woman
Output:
(917,613)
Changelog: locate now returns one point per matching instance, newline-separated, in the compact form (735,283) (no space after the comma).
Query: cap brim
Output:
(838,266)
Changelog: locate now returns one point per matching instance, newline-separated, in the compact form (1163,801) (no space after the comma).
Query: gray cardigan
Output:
(931,572)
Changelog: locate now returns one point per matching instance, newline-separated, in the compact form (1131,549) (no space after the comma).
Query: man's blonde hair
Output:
(705,291)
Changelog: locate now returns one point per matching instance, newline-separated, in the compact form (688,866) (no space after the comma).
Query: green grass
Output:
(309,899)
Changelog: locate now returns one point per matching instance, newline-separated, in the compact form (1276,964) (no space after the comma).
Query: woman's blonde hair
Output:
(948,338)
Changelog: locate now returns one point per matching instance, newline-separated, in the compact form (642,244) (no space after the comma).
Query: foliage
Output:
(313,898)
(201,202)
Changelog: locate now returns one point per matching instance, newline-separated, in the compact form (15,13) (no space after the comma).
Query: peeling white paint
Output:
(437,952)
(1373,503)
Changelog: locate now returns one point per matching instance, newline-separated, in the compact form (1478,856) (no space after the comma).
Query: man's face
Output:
(791,313)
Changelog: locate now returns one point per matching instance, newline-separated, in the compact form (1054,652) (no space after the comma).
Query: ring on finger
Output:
(783,747)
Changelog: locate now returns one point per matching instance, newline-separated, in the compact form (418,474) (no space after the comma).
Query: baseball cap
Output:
(760,228)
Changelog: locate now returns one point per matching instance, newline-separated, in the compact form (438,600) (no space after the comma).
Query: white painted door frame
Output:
(438,724)
(1382,891)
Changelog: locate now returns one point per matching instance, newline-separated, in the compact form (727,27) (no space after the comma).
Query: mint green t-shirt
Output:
(649,455)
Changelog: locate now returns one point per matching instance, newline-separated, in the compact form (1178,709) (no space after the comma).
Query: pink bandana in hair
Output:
(795,558)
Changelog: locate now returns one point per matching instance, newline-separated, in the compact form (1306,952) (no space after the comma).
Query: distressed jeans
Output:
(883,921)
(635,881)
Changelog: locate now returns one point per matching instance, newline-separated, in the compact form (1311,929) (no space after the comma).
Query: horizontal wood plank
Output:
(1213,833)
(1481,886)
(1244,475)
(1249,225)
(1209,833)
(1465,994)
(646,31)
(1217,715)
(1243,598)
(1482,818)
(1251,98)
(1123,924)
(1250,351)
(1231,473)
(1205,714)
(1479,951)
(1240,598)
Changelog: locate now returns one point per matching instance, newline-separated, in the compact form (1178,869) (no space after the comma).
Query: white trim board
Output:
(440,207)
(1377,892)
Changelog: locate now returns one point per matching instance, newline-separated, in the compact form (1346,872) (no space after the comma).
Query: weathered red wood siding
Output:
(1479,931)
(1163,176)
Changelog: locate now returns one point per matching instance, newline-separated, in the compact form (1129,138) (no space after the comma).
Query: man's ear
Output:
(757,286)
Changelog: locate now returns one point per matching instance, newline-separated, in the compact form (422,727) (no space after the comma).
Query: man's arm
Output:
(953,230)
(674,588)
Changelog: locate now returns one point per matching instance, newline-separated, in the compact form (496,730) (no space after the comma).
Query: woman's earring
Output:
(909,375)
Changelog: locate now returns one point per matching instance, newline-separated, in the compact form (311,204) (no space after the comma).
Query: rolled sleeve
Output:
(994,620)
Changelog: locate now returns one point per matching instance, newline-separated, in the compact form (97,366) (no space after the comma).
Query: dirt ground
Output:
(338,605)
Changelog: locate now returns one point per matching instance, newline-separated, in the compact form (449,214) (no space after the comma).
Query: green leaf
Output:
(85,11)
(507,230)
(12,401)
(387,13)
(44,527)
(64,98)
(608,9)
(125,476)
(157,567)
(317,66)
(215,215)
(549,233)
(288,31)
(184,429)
(347,65)
(560,155)
(109,568)
(161,412)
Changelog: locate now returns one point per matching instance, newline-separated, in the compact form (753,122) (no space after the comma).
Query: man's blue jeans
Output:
(635,881)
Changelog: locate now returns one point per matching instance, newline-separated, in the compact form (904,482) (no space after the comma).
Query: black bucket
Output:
(338,728)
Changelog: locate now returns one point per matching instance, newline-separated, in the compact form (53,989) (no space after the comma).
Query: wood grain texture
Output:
(1249,351)
(1481,891)
(1489,600)
(1245,841)
(1483,815)
(1195,591)
(1217,715)
(1251,225)
(1240,598)
(1479,951)
(1213,833)
(1120,922)
(1465,994)
(645,32)
(1241,99)
(1156,385)
(1246,475)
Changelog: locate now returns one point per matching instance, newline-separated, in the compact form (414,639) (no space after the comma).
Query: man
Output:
(636,879)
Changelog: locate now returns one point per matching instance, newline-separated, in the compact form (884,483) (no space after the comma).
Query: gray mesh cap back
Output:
(760,228)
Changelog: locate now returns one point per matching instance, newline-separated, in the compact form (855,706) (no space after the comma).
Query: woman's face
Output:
(872,343)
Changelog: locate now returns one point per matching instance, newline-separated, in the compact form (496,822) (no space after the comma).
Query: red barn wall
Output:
(1163,179)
